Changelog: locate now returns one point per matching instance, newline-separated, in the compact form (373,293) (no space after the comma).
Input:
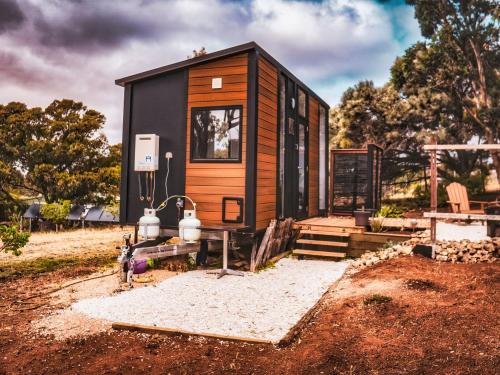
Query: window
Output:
(216,134)
(302,103)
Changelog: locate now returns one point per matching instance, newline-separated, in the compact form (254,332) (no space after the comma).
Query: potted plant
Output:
(362,217)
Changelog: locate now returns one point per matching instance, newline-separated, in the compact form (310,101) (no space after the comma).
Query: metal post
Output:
(225,245)
(434,187)
(225,249)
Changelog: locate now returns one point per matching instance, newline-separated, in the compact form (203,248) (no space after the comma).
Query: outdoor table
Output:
(225,229)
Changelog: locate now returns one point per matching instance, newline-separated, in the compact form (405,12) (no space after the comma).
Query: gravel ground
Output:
(457,232)
(265,305)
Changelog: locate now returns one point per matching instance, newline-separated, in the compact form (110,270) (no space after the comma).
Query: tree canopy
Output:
(58,152)
(447,85)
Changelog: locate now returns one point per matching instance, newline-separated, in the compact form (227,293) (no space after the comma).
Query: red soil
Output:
(443,321)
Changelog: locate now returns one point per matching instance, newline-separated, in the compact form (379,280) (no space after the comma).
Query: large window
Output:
(216,134)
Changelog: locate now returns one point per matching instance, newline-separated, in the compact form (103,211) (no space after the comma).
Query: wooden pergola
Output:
(434,215)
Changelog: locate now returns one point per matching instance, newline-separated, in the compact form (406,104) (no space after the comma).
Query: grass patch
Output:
(49,264)
(377,299)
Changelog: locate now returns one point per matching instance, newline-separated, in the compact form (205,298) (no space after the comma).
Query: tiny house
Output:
(237,133)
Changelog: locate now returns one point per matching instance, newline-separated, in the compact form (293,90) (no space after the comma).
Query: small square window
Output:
(302,103)
(216,134)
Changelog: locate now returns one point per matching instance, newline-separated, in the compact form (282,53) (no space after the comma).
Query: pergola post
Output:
(434,188)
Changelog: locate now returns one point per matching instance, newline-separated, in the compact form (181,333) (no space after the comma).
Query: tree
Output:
(369,114)
(197,53)
(56,212)
(460,61)
(59,153)
(401,125)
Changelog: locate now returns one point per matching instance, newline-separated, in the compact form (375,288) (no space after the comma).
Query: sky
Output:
(75,49)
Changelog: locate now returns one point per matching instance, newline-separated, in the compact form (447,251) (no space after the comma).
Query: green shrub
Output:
(390,210)
(12,240)
(56,212)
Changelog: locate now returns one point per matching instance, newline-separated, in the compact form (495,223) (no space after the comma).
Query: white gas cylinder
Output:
(189,227)
(149,225)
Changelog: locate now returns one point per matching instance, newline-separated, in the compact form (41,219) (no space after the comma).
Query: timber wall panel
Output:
(313,157)
(267,135)
(208,183)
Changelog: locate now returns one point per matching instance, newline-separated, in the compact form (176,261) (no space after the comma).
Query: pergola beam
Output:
(462,147)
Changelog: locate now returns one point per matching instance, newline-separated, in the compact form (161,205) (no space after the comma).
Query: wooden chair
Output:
(459,200)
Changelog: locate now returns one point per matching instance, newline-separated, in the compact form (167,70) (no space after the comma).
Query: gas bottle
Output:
(149,225)
(189,227)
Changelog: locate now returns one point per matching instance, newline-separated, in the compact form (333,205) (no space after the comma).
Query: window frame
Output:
(192,159)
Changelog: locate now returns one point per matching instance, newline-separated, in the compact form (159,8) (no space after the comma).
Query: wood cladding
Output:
(313,156)
(267,133)
(207,183)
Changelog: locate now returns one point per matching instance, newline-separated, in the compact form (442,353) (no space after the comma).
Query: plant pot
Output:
(362,218)
(140,266)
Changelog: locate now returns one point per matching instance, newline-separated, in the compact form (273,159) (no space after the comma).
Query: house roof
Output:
(76,213)
(32,212)
(250,46)
(98,213)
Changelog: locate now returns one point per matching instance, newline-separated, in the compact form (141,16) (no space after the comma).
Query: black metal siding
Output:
(157,106)
(251,157)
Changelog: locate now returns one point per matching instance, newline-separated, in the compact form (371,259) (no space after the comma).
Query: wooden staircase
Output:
(322,242)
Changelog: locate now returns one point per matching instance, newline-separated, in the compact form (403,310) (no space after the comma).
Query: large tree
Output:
(401,125)
(58,152)
(460,61)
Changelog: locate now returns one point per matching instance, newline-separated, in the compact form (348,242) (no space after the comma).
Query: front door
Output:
(293,151)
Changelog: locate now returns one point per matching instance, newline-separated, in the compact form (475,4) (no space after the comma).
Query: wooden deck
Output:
(331,224)
(337,236)
(347,222)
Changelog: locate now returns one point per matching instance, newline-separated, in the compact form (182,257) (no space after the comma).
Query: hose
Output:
(164,203)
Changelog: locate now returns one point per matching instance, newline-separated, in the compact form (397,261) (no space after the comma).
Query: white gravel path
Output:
(265,305)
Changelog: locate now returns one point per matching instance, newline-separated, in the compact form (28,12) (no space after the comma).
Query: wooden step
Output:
(323,243)
(331,228)
(325,233)
(331,254)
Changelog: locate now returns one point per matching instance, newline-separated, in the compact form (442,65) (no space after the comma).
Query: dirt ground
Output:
(81,243)
(442,319)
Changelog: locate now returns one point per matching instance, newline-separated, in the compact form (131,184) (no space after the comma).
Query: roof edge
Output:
(188,62)
(213,56)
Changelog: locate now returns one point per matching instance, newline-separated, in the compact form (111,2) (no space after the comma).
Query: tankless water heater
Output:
(146,152)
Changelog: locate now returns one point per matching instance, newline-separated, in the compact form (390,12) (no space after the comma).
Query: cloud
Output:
(11,16)
(54,49)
